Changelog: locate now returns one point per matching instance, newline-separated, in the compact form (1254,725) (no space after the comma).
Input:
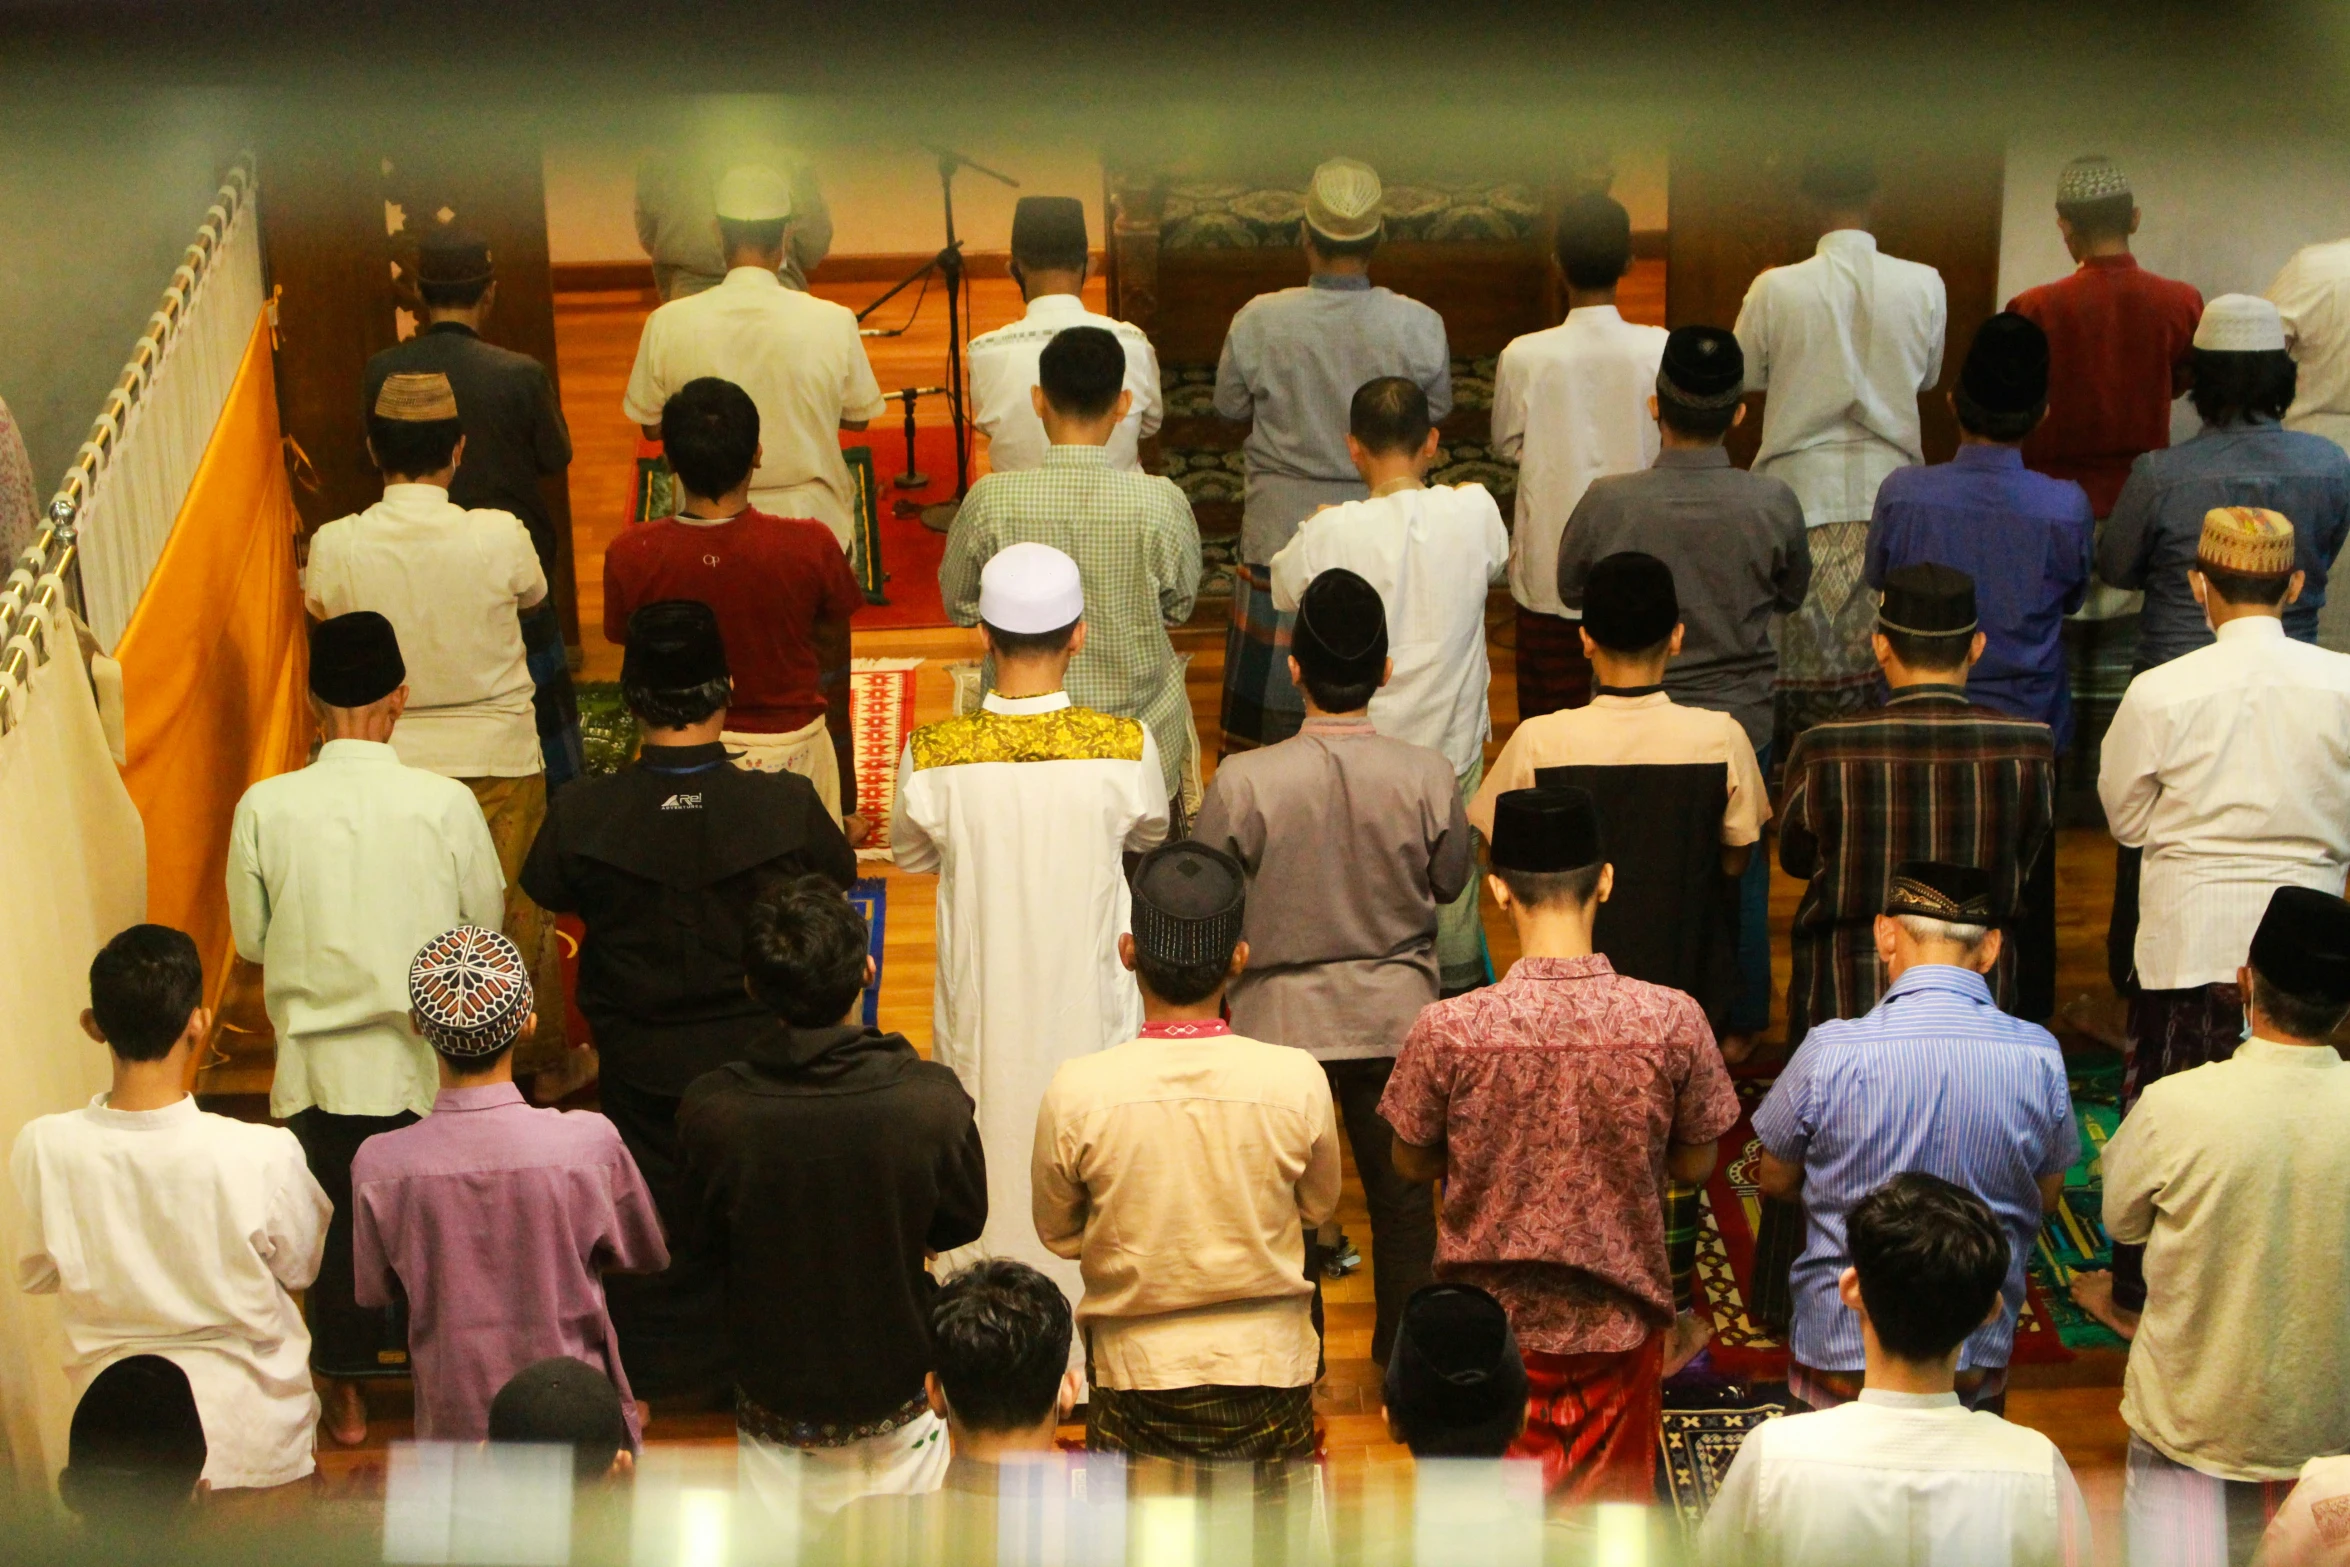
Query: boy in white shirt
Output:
(1906,1474)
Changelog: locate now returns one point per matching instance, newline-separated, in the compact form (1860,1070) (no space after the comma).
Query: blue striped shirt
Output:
(1937,1079)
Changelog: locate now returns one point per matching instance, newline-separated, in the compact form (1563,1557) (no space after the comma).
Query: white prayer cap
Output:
(1031,588)
(2091,177)
(751,194)
(2240,324)
(1343,202)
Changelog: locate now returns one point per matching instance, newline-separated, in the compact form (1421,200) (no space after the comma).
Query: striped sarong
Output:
(1552,671)
(1204,1424)
(1827,667)
(1262,705)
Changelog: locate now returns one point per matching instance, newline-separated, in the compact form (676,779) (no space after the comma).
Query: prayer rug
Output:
(871,897)
(881,710)
(1694,1449)
(2072,1239)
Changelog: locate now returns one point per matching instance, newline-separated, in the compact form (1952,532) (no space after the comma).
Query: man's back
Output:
(1004,372)
(2118,339)
(1897,1480)
(514,428)
(2312,294)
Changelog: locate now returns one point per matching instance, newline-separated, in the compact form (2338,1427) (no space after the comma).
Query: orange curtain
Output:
(215,663)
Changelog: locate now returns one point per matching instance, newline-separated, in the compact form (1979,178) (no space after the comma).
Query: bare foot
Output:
(573,1072)
(1737,1047)
(856,829)
(2093,1293)
(1691,1333)
(345,1415)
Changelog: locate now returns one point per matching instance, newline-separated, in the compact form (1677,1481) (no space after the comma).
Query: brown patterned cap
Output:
(2250,540)
(1939,890)
(414,397)
(471,992)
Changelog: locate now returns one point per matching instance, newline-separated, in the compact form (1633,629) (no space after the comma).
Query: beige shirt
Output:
(2230,1175)
(804,365)
(1626,731)
(2312,1529)
(2312,293)
(451,582)
(1181,1172)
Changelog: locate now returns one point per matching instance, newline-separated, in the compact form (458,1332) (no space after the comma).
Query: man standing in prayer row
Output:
(2312,296)
(661,862)
(165,1230)
(492,1219)
(1353,843)
(2118,338)
(1132,535)
(2027,541)
(1843,344)
(1431,555)
(1049,261)
(1937,1079)
(1555,1106)
(681,227)
(1292,360)
(514,436)
(2240,1369)
(1183,1170)
(1026,811)
(1567,405)
(798,356)
(454,584)
(337,874)
(1738,552)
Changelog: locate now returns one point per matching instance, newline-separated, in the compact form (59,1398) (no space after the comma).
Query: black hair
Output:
(1389,416)
(678,708)
(560,1401)
(2243,587)
(1946,651)
(144,985)
(766,235)
(1028,644)
(1594,241)
(409,448)
(1336,696)
(1931,1259)
(2302,1017)
(454,296)
(1046,258)
(1082,370)
(1705,424)
(1342,249)
(2231,387)
(1975,419)
(1541,889)
(710,433)
(999,1336)
(804,951)
(476,1063)
(2101,217)
(1180,984)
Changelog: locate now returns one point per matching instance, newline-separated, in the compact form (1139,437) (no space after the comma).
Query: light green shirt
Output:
(338,874)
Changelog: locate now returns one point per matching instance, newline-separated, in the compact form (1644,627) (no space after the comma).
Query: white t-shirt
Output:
(801,361)
(176,1233)
(1003,373)
(452,583)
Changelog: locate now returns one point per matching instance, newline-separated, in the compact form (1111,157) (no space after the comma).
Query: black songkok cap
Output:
(1939,890)
(1048,226)
(1341,631)
(2007,366)
(565,1402)
(454,257)
(2303,944)
(1703,367)
(673,645)
(1628,602)
(355,660)
(1188,900)
(1552,827)
(136,1430)
(1928,600)
(1456,1364)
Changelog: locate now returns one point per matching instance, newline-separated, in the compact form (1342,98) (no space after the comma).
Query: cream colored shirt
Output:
(2312,293)
(1180,1172)
(451,582)
(801,361)
(2231,1175)
(2312,1529)
(1618,731)
(338,874)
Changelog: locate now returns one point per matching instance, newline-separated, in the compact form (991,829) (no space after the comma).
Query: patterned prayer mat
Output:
(871,896)
(2073,1239)
(1694,1449)
(881,710)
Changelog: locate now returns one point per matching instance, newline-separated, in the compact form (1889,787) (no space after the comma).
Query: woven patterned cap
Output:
(2240,324)
(471,992)
(2092,177)
(1343,201)
(2247,539)
(1939,890)
(416,398)
(1188,902)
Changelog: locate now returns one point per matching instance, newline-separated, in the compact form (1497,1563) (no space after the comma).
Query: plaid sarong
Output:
(1202,1423)
(1592,1421)
(1262,705)
(2172,1030)
(1552,671)
(1681,1222)
(1827,667)
(1462,962)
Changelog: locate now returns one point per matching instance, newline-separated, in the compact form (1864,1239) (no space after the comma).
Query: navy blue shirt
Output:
(2026,539)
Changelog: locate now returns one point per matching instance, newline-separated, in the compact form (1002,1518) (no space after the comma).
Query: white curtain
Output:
(80,855)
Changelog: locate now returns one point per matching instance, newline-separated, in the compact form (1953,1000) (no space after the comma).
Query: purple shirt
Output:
(497,1219)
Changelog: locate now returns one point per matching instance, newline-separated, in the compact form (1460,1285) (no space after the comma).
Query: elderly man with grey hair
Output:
(1934,1078)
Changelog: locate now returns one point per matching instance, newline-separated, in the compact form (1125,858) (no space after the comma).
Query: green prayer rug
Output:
(2072,1239)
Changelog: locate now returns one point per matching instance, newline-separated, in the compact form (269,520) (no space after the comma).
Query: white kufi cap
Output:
(1030,588)
(2240,324)
(1343,201)
(751,194)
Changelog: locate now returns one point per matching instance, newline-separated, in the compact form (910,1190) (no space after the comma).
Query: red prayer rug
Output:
(881,710)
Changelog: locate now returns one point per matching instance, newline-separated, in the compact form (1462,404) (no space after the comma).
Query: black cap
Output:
(452,256)
(136,1432)
(1629,604)
(563,1402)
(1703,367)
(1456,1366)
(1048,226)
(1552,827)
(1928,600)
(2006,368)
(2303,945)
(1940,890)
(355,660)
(1341,633)
(1188,902)
(673,645)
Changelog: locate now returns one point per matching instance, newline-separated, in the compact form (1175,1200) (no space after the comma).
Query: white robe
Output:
(1026,824)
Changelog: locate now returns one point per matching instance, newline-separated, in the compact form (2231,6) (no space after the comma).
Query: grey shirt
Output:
(1735,541)
(1292,362)
(677,219)
(1352,841)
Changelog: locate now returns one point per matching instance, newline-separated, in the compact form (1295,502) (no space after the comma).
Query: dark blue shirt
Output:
(2027,541)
